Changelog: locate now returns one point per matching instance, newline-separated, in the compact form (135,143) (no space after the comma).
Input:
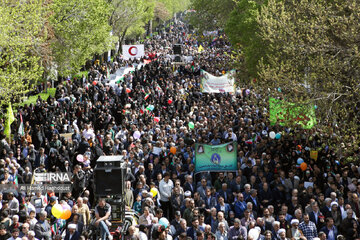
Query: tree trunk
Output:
(150,27)
(122,37)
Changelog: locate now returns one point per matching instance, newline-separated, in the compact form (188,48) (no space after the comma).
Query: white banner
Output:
(213,84)
(133,51)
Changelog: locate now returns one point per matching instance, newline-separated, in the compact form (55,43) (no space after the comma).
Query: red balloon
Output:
(128,90)
(157,119)
(169,101)
(94,83)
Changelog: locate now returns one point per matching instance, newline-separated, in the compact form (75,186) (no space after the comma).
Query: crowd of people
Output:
(268,197)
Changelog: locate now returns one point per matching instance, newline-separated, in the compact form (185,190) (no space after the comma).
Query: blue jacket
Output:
(326,231)
(239,208)
(227,209)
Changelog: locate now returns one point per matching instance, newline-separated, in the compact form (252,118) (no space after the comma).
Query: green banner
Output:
(220,158)
(286,113)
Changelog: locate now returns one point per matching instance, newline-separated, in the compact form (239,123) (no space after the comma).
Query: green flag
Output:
(218,158)
(285,113)
(9,120)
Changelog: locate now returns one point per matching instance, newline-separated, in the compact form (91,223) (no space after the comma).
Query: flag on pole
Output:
(147,96)
(21,130)
(142,110)
(16,181)
(9,120)
(107,73)
(200,49)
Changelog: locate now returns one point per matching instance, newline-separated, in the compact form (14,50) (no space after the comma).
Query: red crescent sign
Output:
(133,51)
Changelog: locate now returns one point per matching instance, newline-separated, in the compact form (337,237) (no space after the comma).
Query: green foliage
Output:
(312,53)
(81,30)
(174,6)
(128,17)
(241,28)
(20,25)
(211,14)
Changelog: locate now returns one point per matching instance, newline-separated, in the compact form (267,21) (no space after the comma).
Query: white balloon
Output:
(137,135)
(272,134)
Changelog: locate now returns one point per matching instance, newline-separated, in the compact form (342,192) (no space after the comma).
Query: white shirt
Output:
(165,190)
(87,134)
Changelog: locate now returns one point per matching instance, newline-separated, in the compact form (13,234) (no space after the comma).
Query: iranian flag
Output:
(16,181)
(147,96)
(142,110)
(21,130)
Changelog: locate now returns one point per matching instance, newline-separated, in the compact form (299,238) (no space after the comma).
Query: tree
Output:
(241,28)
(81,29)
(20,26)
(160,11)
(128,17)
(312,57)
(211,14)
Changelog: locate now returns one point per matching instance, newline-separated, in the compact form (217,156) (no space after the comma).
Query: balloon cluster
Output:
(274,135)
(61,211)
(301,164)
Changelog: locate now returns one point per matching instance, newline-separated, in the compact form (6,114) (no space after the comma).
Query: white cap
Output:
(72,226)
(254,233)
(294,221)
(187,193)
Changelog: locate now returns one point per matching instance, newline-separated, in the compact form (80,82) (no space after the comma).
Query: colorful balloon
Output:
(173,150)
(94,83)
(157,119)
(272,135)
(163,221)
(80,158)
(137,135)
(66,206)
(66,214)
(154,191)
(303,166)
(300,161)
(128,90)
(57,210)
(278,136)
(191,125)
(170,101)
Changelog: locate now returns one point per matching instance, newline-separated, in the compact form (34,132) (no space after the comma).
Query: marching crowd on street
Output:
(268,197)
